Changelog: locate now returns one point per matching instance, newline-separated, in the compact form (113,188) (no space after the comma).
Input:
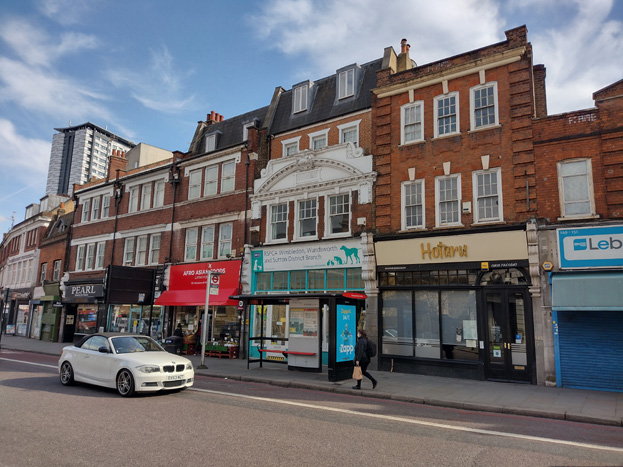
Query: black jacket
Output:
(360,351)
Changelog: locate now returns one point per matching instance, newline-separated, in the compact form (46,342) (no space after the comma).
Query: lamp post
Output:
(204,322)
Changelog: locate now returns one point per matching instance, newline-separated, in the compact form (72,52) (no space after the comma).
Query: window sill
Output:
(484,128)
(412,143)
(305,239)
(449,226)
(337,235)
(413,229)
(498,222)
(450,135)
(276,242)
(578,218)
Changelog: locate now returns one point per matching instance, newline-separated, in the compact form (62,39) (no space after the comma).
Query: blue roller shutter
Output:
(590,345)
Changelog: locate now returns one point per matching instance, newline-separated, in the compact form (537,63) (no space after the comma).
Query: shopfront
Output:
(50,312)
(82,302)
(21,310)
(587,308)
(456,305)
(185,299)
(330,267)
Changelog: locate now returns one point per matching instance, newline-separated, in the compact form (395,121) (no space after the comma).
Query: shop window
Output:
(458,325)
(263,281)
(353,279)
(280,280)
(336,279)
(298,280)
(87,319)
(315,280)
(427,324)
(339,214)
(397,313)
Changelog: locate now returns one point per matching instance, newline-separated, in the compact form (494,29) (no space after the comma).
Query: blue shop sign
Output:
(346,333)
(590,247)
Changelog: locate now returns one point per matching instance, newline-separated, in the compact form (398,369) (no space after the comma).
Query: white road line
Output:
(28,363)
(417,422)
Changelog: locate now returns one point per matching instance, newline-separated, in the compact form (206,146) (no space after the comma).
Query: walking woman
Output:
(361,358)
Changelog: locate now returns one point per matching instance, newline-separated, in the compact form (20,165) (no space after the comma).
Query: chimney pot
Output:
(212,115)
(404,47)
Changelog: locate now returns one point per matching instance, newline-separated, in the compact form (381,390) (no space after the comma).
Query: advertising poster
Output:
(346,333)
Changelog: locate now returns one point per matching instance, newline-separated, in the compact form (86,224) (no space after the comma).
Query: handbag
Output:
(357,373)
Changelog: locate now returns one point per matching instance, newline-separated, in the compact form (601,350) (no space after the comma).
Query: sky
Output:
(149,70)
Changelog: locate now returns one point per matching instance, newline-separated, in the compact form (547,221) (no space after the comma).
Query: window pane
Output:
(339,214)
(427,324)
(280,280)
(298,280)
(413,205)
(263,281)
(448,201)
(397,323)
(335,279)
(211,174)
(353,279)
(194,184)
(279,221)
(446,115)
(307,218)
(315,280)
(458,325)
(229,170)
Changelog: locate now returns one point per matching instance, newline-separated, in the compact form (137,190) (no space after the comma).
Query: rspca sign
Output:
(317,255)
(590,247)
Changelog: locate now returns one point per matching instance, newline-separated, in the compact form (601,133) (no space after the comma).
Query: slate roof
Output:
(324,104)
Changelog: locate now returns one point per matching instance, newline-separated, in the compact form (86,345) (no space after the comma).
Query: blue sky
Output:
(149,70)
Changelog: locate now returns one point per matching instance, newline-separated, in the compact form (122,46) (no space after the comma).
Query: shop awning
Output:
(187,284)
(588,291)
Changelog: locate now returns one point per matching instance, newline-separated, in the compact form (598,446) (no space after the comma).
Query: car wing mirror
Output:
(103,349)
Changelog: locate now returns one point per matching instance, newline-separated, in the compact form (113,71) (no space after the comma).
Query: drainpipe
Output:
(175,181)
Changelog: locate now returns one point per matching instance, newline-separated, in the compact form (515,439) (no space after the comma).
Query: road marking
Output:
(416,422)
(29,363)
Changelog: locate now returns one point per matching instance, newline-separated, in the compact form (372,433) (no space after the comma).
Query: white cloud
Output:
(328,35)
(159,86)
(66,12)
(26,158)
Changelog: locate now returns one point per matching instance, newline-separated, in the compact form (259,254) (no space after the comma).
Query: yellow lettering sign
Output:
(442,251)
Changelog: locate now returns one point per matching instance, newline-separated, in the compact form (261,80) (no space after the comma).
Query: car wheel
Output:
(125,383)
(67,374)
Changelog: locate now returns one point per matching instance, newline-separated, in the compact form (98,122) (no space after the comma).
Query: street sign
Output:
(240,305)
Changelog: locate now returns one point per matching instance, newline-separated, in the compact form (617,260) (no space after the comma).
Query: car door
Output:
(95,365)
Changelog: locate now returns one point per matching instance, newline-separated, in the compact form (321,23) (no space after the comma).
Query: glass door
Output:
(507,336)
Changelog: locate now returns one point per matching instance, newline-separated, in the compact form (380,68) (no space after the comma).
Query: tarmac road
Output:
(228,422)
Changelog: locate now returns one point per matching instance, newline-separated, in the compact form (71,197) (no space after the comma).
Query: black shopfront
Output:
(446,309)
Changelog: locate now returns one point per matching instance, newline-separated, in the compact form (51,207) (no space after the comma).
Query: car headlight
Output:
(148,368)
(189,366)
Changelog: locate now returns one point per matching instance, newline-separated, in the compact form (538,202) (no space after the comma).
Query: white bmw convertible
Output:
(127,362)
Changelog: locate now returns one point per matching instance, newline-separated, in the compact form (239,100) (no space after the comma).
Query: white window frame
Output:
(497,172)
(207,241)
(141,250)
(95,208)
(44,267)
(86,210)
(154,249)
(403,122)
(210,186)
(190,245)
(80,258)
(105,206)
(211,142)
(299,219)
(346,88)
(403,204)
(194,184)
(89,262)
(228,176)
(300,96)
(145,196)
(436,101)
(56,272)
(329,214)
(288,144)
(128,252)
(159,187)
(318,136)
(472,105)
(133,201)
(225,237)
(99,255)
(438,201)
(589,187)
(270,231)
(346,127)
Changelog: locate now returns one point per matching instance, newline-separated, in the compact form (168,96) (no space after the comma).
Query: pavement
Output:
(598,407)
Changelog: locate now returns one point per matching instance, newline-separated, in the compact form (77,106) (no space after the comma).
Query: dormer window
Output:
(211,142)
(346,83)
(300,97)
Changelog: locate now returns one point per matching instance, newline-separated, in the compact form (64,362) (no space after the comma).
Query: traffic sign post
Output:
(212,282)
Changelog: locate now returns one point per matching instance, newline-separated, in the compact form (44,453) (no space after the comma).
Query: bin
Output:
(173,344)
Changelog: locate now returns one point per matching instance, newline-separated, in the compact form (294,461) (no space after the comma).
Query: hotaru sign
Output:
(346,321)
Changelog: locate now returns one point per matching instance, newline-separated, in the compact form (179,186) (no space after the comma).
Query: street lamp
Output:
(204,322)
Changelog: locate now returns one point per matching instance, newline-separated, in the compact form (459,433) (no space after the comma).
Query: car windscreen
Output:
(130,344)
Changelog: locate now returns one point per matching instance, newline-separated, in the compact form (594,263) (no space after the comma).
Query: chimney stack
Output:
(214,117)
(403,61)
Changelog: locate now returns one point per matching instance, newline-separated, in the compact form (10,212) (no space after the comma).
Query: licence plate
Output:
(175,378)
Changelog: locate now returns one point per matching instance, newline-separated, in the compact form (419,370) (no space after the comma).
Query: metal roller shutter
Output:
(591,349)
